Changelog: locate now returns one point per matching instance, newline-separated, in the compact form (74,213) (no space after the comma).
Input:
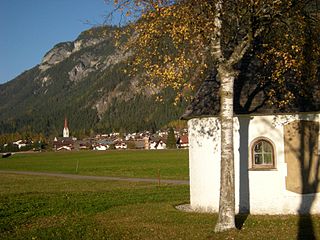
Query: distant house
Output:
(63,148)
(20,143)
(63,143)
(152,145)
(6,155)
(146,142)
(276,151)
(120,145)
(103,144)
(161,145)
(140,144)
(183,141)
(101,147)
(82,145)
(157,144)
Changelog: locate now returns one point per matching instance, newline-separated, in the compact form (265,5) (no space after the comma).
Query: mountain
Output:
(85,82)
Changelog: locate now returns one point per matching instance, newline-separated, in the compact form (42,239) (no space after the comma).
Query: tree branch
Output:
(242,48)
(215,46)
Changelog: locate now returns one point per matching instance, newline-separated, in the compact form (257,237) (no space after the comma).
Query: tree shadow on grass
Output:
(306,230)
(240,220)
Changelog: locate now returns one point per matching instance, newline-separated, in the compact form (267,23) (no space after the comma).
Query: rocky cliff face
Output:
(86,63)
(56,55)
(83,80)
(63,50)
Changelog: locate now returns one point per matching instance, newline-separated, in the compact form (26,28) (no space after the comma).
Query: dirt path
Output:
(98,178)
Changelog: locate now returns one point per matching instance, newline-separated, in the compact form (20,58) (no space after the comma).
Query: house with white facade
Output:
(20,143)
(276,151)
(157,145)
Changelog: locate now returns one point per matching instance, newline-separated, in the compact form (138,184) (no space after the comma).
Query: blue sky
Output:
(30,28)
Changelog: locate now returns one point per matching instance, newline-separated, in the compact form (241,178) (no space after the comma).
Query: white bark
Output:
(215,46)
(226,218)
(227,75)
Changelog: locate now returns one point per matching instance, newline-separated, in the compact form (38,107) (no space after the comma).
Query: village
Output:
(140,140)
(161,139)
(101,142)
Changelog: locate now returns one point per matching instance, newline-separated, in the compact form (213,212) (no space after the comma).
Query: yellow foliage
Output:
(176,42)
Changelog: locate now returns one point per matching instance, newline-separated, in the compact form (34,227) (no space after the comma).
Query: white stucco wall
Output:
(204,155)
(261,192)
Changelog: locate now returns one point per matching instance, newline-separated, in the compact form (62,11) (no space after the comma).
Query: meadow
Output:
(171,164)
(42,207)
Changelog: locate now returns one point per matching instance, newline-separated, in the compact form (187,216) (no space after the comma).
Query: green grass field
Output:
(172,164)
(39,207)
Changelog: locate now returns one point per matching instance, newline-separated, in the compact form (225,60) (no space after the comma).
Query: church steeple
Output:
(65,132)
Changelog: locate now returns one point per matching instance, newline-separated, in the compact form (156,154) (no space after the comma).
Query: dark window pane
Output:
(258,159)
(258,147)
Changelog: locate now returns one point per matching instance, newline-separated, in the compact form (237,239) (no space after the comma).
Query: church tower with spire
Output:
(65,132)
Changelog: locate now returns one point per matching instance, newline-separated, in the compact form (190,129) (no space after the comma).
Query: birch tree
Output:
(177,42)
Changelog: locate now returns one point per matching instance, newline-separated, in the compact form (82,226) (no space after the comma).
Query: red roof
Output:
(184,139)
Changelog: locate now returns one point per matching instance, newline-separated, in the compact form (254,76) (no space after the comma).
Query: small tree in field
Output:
(171,140)
(178,42)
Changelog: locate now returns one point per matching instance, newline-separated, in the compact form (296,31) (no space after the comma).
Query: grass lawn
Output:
(33,207)
(172,164)
(39,207)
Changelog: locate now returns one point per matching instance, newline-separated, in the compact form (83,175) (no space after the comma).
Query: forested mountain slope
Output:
(85,81)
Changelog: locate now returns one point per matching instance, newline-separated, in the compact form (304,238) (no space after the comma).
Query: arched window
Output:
(262,153)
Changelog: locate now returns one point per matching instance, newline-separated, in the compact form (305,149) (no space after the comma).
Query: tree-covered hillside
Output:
(84,81)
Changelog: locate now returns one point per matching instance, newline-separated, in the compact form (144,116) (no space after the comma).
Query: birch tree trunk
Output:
(226,218)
